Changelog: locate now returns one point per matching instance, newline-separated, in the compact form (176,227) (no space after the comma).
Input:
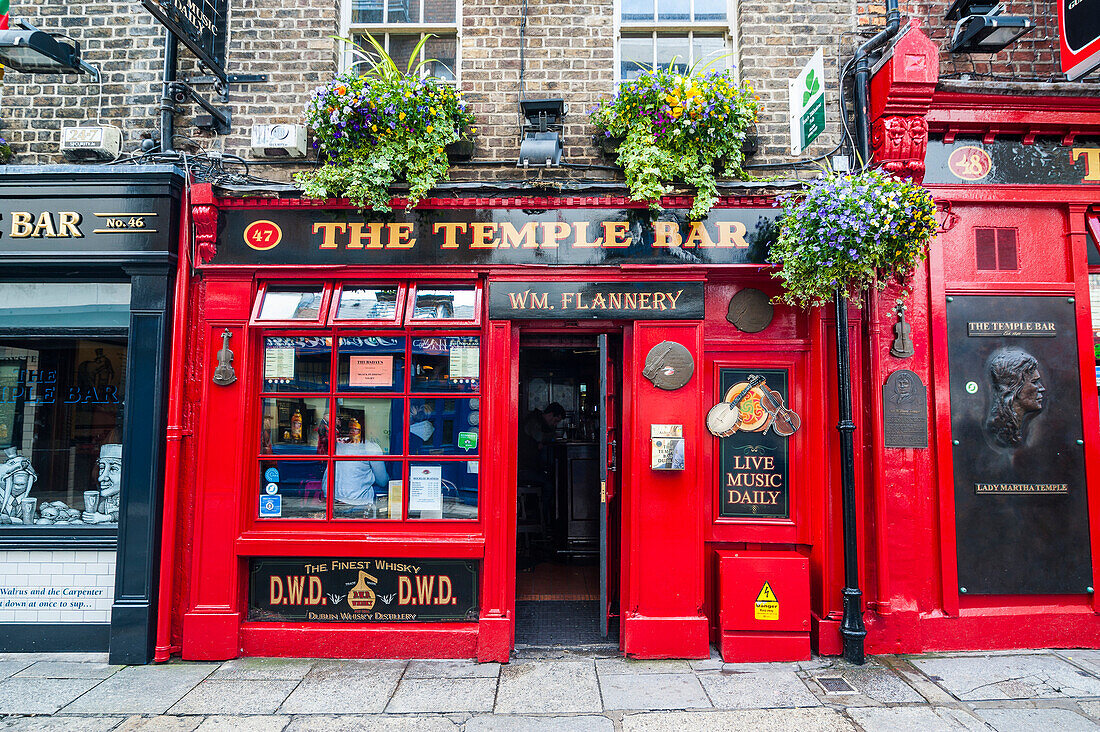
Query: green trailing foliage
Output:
(848,231)
(381,127)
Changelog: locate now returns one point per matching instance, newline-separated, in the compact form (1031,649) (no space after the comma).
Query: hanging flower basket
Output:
(845,232)
(679,127)
(380,128)
(6,153)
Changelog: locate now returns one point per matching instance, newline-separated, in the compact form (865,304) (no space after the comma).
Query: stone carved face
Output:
(1016,394)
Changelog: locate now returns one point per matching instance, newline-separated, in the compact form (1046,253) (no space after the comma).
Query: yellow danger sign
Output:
(766,606)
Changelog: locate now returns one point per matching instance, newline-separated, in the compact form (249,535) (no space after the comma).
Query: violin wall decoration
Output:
(224,375)
(727,416)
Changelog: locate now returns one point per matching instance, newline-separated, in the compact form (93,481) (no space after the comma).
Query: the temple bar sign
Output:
(198,24)
(588,236)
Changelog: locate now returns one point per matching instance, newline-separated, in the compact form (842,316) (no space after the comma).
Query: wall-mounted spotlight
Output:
(32,51)
(983,28)
(541,145)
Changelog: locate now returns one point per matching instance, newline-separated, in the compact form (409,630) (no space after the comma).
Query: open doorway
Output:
(562,582)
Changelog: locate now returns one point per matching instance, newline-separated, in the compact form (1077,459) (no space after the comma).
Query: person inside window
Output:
(536,432)
(358,481)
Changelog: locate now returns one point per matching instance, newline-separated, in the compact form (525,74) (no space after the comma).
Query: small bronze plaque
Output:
(750,310)
(668,365)
(905,410)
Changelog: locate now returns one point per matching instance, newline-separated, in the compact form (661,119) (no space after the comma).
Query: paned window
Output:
(375,415)
(678,34)
(400,24)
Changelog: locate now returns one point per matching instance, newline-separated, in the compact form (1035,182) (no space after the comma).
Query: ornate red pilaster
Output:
(901,95)
(204,215)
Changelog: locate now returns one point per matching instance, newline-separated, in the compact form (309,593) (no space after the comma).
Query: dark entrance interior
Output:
(562,528)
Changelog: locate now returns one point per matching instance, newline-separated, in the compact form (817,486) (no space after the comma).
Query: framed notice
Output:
(362,590)
(753,461)
(425,488)
(1021,503)
(374,371)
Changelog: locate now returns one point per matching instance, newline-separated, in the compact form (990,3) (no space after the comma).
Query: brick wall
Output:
(56,586)
(569,53)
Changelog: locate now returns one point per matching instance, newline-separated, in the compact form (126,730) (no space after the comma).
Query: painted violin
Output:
(783,421)
(724,418)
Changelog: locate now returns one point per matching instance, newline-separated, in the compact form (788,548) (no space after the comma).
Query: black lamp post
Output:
(32,51)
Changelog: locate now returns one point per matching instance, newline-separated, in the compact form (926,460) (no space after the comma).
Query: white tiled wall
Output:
(78,586)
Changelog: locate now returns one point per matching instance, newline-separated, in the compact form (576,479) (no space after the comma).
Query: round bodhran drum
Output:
(750,310)
(668,365)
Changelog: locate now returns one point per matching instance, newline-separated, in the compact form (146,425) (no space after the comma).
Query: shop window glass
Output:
(456,303)
(296,363)
(444,426)
(341,434)
(446,364)
(293,489)
(443,490)
(291,303)
(673,34)
(399,25)
(66,304)
(61,414)
(367,303)
(371,363)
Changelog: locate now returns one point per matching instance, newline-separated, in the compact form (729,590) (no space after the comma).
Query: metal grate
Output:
(836,685)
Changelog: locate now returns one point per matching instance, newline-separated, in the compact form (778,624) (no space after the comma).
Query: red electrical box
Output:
(764,605)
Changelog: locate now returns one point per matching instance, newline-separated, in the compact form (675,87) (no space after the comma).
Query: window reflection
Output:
(445,490)
(291,304)
(444,426)
(446,364)
(445,304)
(367,303)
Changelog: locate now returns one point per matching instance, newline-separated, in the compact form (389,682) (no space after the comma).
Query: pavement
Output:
(555,691)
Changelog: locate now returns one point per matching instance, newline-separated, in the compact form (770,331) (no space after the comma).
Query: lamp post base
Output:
(852,630)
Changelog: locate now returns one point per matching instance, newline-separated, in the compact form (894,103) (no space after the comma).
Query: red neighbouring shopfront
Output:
(352,392)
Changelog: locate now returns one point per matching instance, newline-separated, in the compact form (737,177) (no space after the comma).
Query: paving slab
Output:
(345,687)
(652,691)
(234,697)
(263,669)
(12,666)
(59,724)
(443,695)
(68,670)
(40,696)
(510,723)
(533,687)
(713,663)
(255,723)
(1089,658)
(757,690)
(1091,708)
(159,724)
(1027,720)
(370,723)
(1021,676)
(908,719)
(873,684)
(623,665)
(140,689)
(451,669)
(757,720)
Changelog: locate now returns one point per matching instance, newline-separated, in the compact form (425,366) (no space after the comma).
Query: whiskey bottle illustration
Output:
(361,597)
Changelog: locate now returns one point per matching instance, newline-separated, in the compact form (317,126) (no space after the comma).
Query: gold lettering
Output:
(483,236)
(581,239)
(732,234)
(1092,162)
(674,299)
(44,225)
(21,224)
(698,236)
(69,221)
(553,233)
(666,234)
(399,237)
(510,238)
(615,235)
(328,230)
(450,232)
(373,235)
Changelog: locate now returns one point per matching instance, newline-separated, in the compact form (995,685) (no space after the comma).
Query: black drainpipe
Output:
(167,108)
(852,629)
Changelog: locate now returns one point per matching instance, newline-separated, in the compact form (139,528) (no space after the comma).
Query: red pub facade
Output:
(349,394)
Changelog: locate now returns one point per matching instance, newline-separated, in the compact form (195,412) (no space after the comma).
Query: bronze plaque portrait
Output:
(1021,511)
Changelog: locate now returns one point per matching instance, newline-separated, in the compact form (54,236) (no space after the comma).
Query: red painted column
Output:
(211,622)
(664,598)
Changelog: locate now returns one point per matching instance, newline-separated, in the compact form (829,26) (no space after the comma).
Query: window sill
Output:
(61,538)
